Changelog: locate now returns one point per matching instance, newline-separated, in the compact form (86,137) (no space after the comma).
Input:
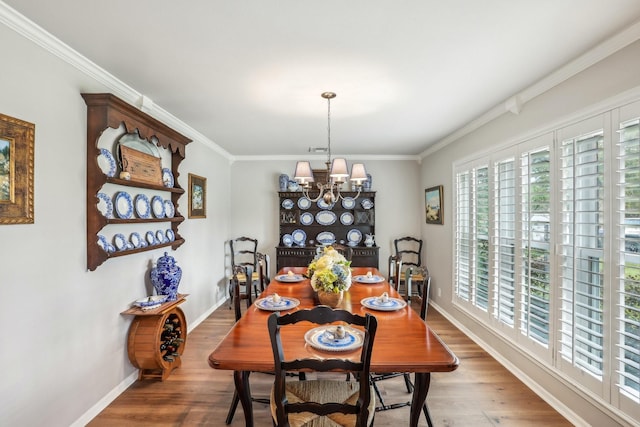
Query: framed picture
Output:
(197,196)
(16,170)
(433,205)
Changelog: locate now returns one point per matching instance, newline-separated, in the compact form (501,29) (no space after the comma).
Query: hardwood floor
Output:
(479,393)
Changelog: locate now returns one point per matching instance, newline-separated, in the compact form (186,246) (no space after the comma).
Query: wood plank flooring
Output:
(479,393)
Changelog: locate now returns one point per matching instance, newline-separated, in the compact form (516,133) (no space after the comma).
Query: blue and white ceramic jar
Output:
(165,277)
(283,181)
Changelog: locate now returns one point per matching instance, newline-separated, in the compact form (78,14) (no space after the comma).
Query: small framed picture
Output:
(433,205)
(197,196)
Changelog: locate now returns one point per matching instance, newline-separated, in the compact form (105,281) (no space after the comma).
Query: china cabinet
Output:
(108,111)
(305,225)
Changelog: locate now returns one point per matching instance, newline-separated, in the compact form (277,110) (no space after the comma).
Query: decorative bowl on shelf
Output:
(150,301)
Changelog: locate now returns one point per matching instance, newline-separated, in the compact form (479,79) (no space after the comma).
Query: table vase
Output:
(166,276)
(332,299)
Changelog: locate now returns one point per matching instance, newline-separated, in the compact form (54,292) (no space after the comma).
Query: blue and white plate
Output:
(287,240)
(363,278)
(151,238)
(290,278)
(160,237)
(326,238)
(348,203)
(323,205)
(354,236)
(120,242)
(287,203)
(170,235)
(143,208)
(167,178)
(346,218)
(106,162)
(152,301)
(124,205)
(169,209)
(306,218)
(299,237)
(323,338)
(326,217)
(157,207)
(285,303)
(377,303)
(102,242)
(366,203)
(105,205)
(304,203)
(135,240)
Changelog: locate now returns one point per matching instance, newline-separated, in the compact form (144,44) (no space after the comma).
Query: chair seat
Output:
(417,277)
(323,391)
(243,278)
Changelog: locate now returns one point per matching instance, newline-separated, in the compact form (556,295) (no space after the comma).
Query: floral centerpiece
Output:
(330,273)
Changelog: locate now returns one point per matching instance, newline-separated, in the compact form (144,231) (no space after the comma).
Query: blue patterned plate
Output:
(167,178)
(169,209)
(326,238)
(354,237)
(348,203)
(287,203)
(135,240)
(304,203)
(160,237)
(106,162)
(368,279)
(285,303)
(287,240)
(120,242)
(289,278)
(326,217)
(151,238)
(323,205)
(124,205)
(143,208)
(105,205)
(376,303)
(157,206)
(323,338)
(299,237)
(170,235)
(306,218)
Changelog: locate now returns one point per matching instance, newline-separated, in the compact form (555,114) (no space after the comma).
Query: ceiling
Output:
(248,74)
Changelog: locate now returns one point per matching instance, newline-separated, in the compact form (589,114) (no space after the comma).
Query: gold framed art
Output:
(197,196)
(16,170)
(433,205)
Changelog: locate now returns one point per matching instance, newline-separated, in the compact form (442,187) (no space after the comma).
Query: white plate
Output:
(102,242)
(151,238)
(354,236)
(120,242)
(289,279)
(326,238)
(135,240)
(106,162)
(287,203)
(105,205)
(326,217)
(287,240)
(306,218)
(157,206)
(160,236)
(368,279)
(319,339)
(375,303)
(167,178)
(348,203)
(143,208)
(150,302)
(170,235)
(304,203)
(323,205)
(284,304)
(299,237)
(124,205)
(367,204)
(169,209)
(346,218)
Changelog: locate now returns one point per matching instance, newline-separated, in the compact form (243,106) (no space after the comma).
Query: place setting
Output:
(334,338)
(276,302)
(369,278)
(290,277)
(384,303)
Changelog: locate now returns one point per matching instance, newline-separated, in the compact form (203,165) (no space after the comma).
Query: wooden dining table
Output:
(403,341)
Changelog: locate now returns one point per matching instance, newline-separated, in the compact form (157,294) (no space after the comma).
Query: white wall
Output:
(65,341)
(608,78)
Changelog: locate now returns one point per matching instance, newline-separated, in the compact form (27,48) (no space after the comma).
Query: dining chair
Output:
(322,402)
(395,270)
(243,252)
(410,250)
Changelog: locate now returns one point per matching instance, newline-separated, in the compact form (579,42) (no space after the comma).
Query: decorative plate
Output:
(106,162)
(287,203)
(151,238)
(368,279)
(135,240)
(167,178)
(102,242)
(152,301)
(354,236)
(160,236)
(169,209)
(304,203)
(105,205)
(157,206)
(326,238)
(120,242)
(326,217)
(299,237)
(323,338)
(124,205)
(346,218)
(143,208)
(170,235)
(323,205)
(306,218)
(287,240)
(348,203)
(285,303)
(289,278)
(376,303)
(367,204)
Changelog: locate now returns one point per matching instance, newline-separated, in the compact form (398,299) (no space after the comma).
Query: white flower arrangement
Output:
(330,271)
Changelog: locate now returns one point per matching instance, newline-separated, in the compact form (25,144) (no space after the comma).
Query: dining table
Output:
(403,341)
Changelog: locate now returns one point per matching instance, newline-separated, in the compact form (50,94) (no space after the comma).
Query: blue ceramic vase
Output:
(165,277)
(283,181)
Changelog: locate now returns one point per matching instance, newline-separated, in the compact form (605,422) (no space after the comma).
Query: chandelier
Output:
(336,170)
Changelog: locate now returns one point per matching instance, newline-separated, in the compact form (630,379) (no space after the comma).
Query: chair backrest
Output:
(264,268)
(244,251)
(395,270)
(322,315)
(426,288)
(236,284)
(410,250)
